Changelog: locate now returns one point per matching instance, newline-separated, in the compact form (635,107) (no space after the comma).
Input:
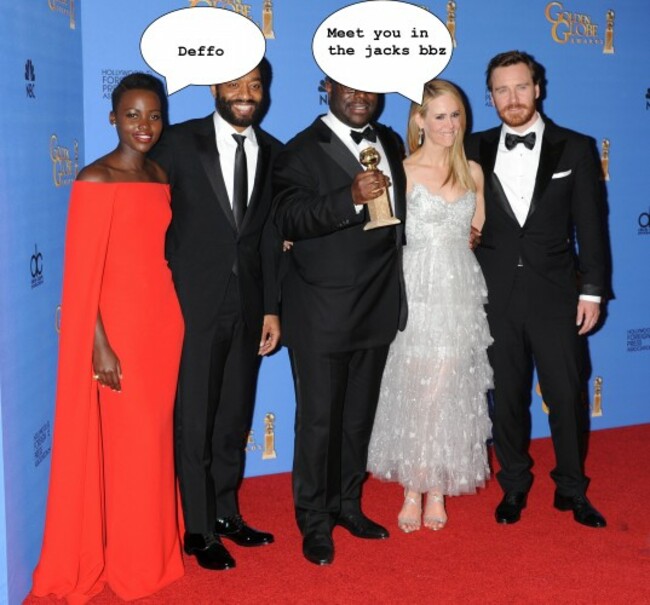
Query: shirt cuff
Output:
(590,298)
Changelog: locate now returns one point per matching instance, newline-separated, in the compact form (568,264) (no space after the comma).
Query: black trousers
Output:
(214,405)
(553,347)
(336,395)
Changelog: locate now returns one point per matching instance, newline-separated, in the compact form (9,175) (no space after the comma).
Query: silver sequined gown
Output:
(432,421)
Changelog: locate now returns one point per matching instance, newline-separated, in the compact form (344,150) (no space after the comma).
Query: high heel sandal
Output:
(410,522)
(435,520)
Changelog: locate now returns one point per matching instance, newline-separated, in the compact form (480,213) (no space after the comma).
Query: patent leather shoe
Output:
(510,507)
(361,527)
(583,510)
(235,529)
(318,548)
(210,553)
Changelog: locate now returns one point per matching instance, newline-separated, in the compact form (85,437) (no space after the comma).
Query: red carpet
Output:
(545,558)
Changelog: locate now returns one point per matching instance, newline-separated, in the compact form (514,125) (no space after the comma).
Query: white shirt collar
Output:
(340,129)
(537,127)
(225,130)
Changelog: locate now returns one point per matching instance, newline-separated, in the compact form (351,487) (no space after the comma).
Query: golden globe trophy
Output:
(73,22)
(268,453)
(597,409)
(267,20)
(538,390)
(608,49)
(604,160)
(379,208)
(451,20)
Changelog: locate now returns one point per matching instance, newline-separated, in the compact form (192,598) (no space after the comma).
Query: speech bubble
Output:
(202,45)
(383,46)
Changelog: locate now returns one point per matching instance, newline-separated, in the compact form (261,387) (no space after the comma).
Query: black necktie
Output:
(512,140)
(367,133)
(240,185)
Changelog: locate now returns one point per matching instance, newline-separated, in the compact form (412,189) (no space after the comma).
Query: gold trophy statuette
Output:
(538,390)
(597,409)
(379,208)
(451,20)
(604,160)
(269,437)
(608,49)
(267,20)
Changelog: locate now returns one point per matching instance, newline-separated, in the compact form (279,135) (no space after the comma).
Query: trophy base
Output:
(381,222)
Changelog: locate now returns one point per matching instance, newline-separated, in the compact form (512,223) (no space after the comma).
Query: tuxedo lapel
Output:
(488,157)
(206,146)
(336,149)
(548,160)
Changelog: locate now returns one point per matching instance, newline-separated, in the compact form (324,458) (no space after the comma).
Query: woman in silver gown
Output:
(432,421)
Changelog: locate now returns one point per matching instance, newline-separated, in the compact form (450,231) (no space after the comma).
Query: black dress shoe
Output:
(210,553)
(235,529)
(318,548)
(361,527)
(510,507)
(583,511)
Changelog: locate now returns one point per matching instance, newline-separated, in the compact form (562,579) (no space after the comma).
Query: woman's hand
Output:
(106,365)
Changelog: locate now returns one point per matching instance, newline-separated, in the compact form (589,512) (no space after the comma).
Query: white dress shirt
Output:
(342,131)
(227,147)
(517,168)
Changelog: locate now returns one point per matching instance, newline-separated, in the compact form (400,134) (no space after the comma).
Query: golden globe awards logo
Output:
(568,27)
(65,166)
(65,7)
(245,10)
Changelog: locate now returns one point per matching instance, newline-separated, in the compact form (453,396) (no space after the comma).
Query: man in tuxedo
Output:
(223,253)
(342,303)
(541,194)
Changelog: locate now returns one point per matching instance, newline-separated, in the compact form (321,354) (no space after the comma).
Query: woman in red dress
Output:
(111,511)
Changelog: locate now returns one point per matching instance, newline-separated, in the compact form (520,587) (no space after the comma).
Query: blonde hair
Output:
(459,172)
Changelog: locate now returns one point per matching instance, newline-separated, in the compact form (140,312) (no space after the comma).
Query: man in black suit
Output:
(342,303)
(541,193)
(223,255)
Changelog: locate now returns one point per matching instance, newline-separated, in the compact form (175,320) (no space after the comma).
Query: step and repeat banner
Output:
(61,65)
(41,151)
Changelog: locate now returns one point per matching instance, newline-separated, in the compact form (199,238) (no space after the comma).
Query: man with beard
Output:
(542,192)
(223,256)
(342,303)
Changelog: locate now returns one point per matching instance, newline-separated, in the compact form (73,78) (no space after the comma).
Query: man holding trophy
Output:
(342,303)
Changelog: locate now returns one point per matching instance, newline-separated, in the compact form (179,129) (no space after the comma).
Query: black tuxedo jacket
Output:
(203,246)
(343,288)
(566,210)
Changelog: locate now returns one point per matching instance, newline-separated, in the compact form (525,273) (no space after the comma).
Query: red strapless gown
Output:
(112,510)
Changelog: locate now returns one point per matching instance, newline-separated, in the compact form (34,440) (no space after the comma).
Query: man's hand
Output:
(588,314)
(368,186)
(270,334)
(474,238)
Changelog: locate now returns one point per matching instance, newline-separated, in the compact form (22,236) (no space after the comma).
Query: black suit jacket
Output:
(203,245)
(343,288)
(566,210)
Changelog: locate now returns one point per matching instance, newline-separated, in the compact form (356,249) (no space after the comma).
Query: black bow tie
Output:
(367,133)
(512,140)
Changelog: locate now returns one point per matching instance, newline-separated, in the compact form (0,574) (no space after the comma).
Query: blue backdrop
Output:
(60,65)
